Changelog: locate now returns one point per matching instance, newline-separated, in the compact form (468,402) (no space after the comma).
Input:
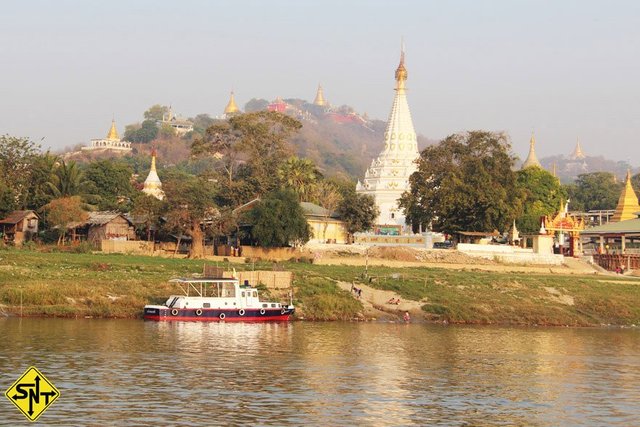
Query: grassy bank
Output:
(99,285)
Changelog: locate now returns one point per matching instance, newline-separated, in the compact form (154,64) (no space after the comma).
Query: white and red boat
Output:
(215,300)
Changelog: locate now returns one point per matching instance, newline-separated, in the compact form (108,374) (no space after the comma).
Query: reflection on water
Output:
(109,371)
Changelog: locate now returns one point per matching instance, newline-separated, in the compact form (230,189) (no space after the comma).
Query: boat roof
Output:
(203,279)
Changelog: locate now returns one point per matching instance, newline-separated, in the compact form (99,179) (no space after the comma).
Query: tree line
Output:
(467,182)
(248,158)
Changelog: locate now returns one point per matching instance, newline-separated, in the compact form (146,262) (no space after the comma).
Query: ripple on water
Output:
(148,373)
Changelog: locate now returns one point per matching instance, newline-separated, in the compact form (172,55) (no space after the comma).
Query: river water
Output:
(117,372)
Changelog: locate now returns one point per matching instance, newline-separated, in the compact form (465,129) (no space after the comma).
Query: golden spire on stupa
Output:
(627,203)
(231,107)
(320,97)
(113,132)
(401,72)
(532,159)
(577,154)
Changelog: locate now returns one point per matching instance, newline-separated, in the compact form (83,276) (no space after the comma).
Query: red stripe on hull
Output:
(280,318)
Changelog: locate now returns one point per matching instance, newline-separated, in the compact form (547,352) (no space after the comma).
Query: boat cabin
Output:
(216,293)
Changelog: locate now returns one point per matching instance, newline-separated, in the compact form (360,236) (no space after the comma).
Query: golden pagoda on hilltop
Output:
(532,159)
(628,206)
(152,185)
(319,101)
(577,154)
(111,142)
(113,132)
(231,107)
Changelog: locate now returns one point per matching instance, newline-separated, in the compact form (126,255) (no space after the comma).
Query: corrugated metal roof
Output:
(98,218)
(629,226)
(311,209)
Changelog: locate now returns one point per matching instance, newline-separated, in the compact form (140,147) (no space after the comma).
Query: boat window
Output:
(255,294)
(242,294)
(273,305)
(228,290)
(265,305)
(206,305)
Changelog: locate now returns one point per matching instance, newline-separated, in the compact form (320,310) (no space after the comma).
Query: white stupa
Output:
(152,185)
(388,176)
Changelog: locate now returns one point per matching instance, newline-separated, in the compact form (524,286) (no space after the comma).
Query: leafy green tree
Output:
(67,180)
(201,122)
(191,210)
(464,183)
(594,191)
(143,133)
(299,175)
(358,211)
(156,112)
(278,220)
(111,181)
(148,211)
(16,160)
(166,131)
(543,196)
(249,147)
(42,169)
(7,197)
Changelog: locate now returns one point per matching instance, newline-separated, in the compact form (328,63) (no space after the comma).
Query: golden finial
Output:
(401,71)
(153,159)
(319,97)
(113,132)
(231,107)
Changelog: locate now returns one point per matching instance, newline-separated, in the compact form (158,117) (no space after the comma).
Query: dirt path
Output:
(574,266)
(375,302)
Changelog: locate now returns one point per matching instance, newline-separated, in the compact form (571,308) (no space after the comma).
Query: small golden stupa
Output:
(231,107)
(532,159)
(113,132)
(627,203)
(319,101)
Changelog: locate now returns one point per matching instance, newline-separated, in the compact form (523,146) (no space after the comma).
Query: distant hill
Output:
(568,168)
(339,140)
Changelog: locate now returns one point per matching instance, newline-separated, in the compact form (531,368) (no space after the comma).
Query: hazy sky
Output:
(565,69)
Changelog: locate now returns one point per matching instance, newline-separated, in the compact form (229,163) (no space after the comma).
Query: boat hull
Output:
(218,315)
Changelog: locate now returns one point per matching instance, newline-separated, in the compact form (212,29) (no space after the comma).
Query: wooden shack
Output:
(104,225)
(19,227)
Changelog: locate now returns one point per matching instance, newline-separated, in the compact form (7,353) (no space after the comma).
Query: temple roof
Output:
(113,132)
(231,106)
(320,98)
(532,159)
(627,203)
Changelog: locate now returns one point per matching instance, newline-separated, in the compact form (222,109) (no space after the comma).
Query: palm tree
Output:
(67,180)
(300,175)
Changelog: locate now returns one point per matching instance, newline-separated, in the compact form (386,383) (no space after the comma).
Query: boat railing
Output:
(207,287)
